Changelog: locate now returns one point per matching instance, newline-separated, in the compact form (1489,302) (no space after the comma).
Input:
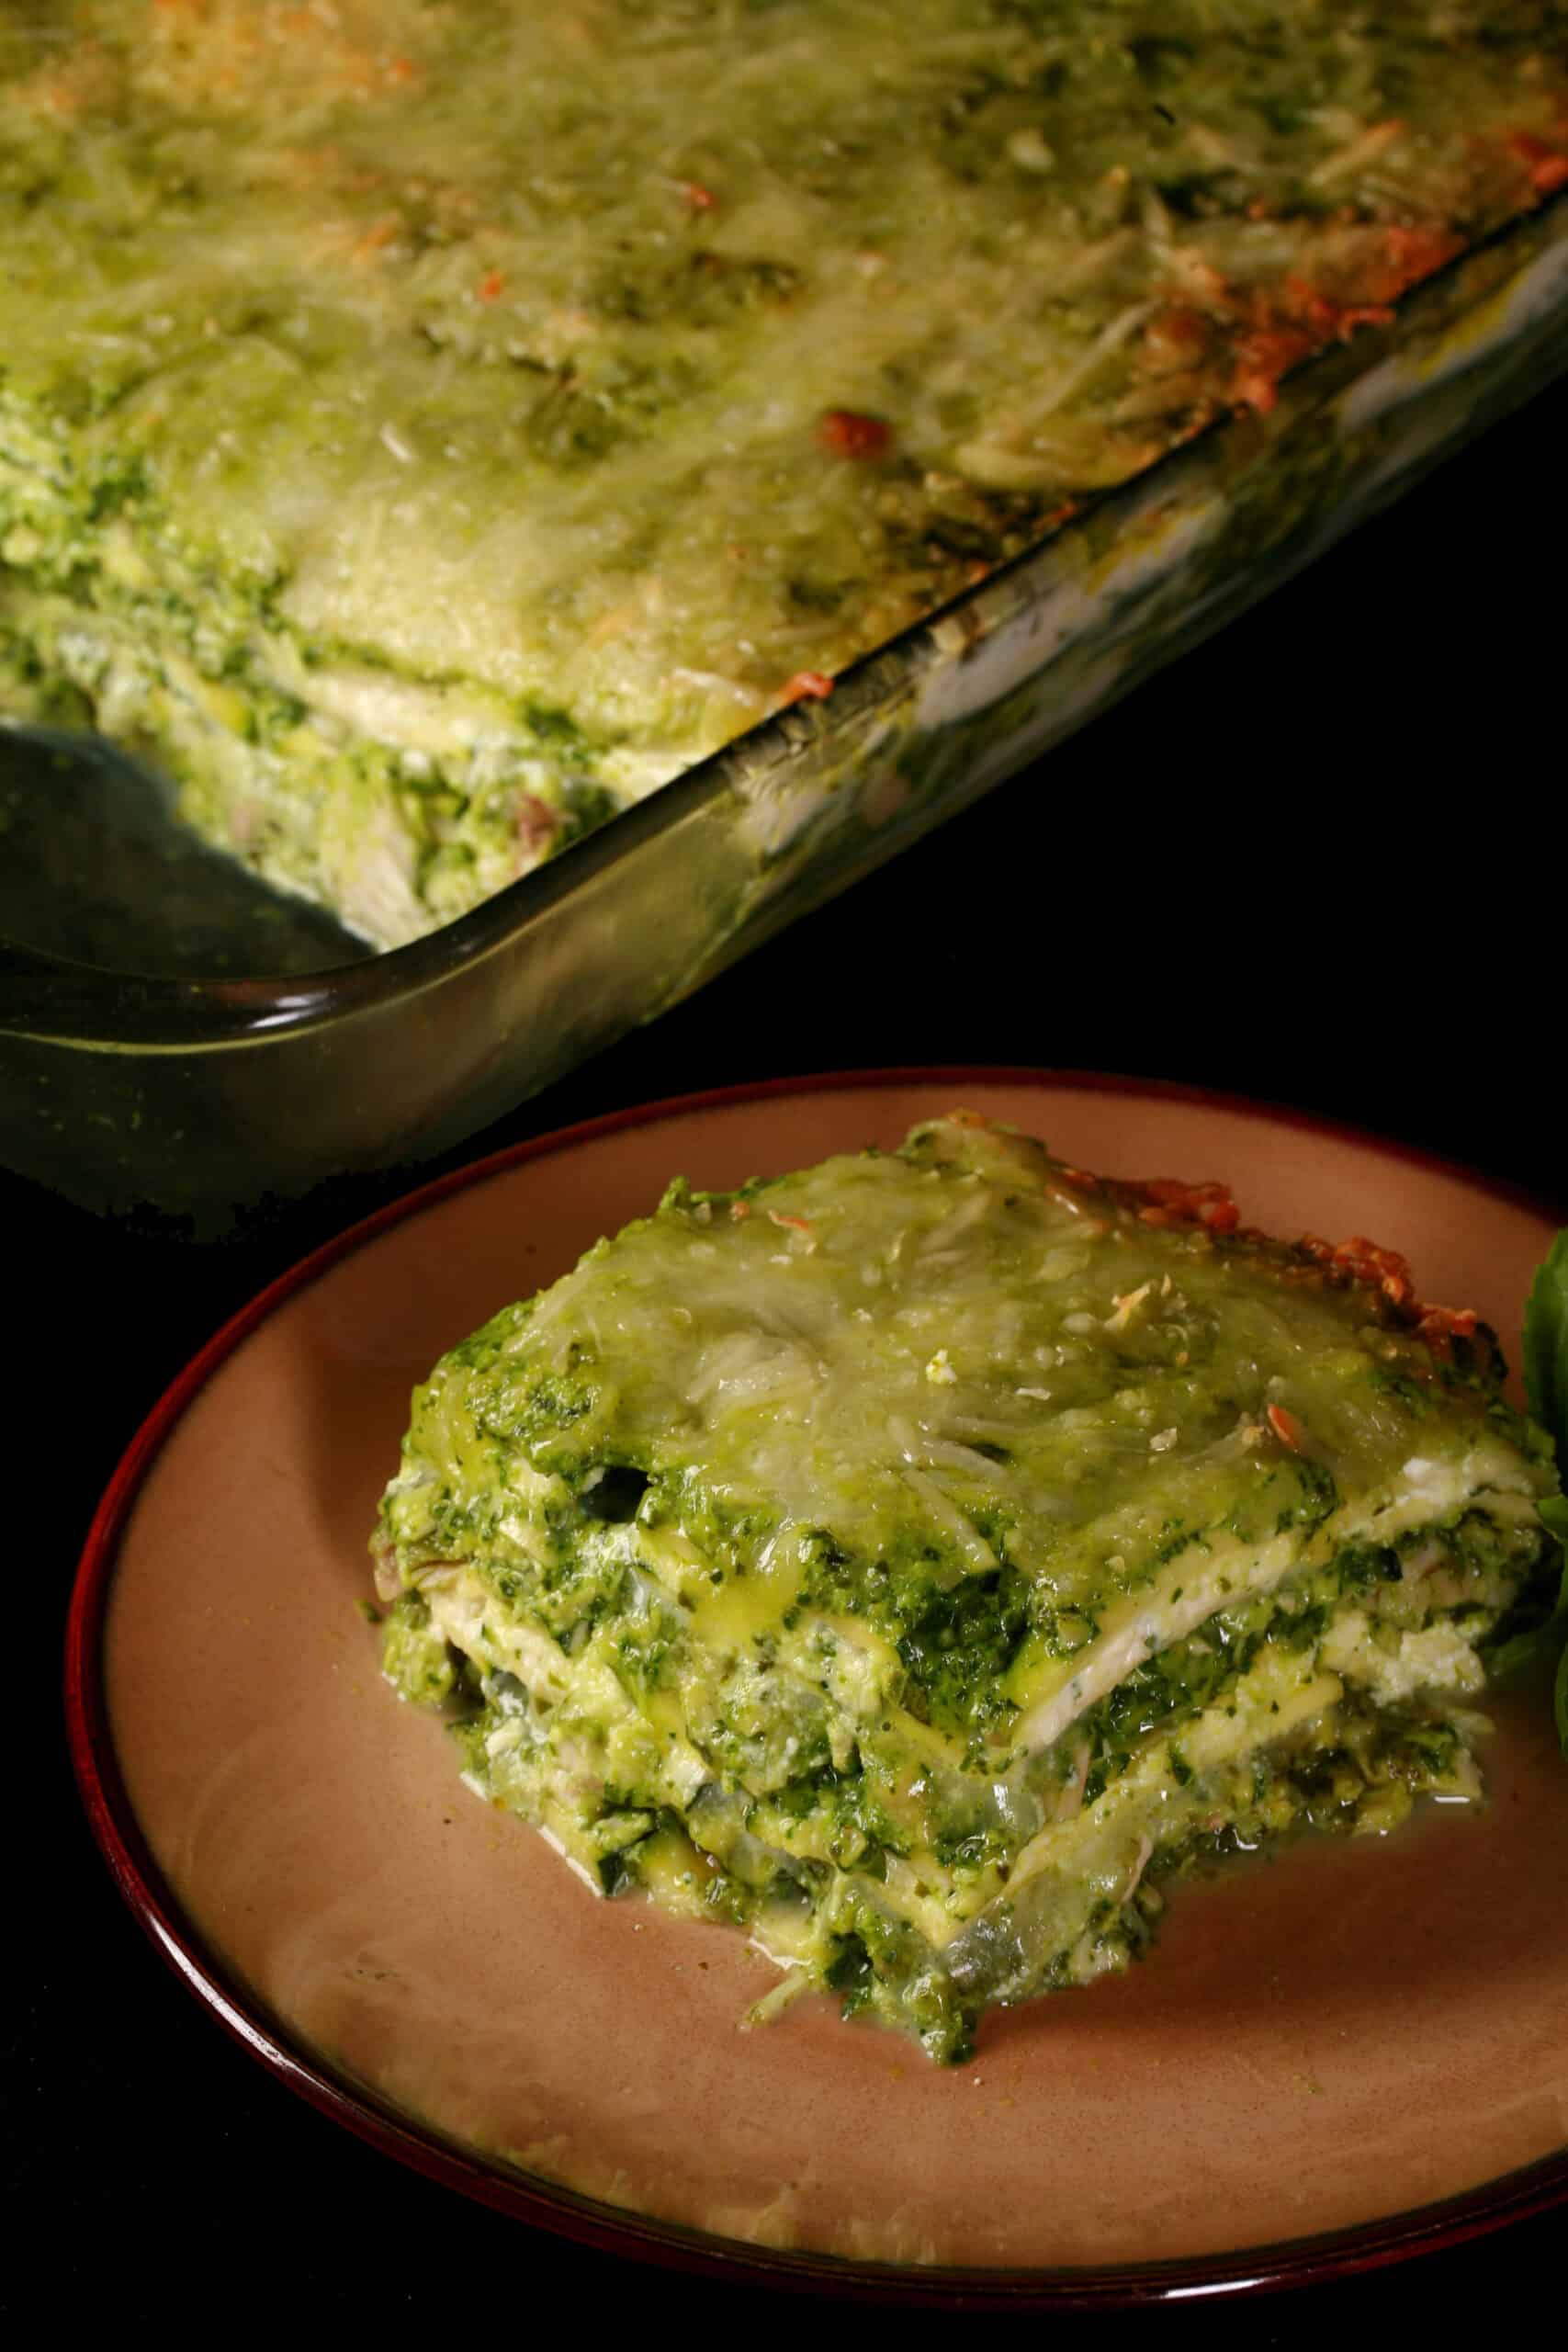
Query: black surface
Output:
(1320,862)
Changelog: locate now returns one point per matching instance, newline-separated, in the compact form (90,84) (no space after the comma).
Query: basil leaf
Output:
(1554,1518)
(1521,1650)
(1546,1344)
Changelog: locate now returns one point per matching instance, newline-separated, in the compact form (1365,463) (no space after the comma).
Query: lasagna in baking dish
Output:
(922,1560)
(428,426)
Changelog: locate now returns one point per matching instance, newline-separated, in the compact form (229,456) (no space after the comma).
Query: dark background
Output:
(1320,861)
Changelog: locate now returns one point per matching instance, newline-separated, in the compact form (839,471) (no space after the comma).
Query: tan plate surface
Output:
(1351,2032)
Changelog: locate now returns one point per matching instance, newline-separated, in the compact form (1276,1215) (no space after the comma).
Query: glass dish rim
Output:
(1513,2196)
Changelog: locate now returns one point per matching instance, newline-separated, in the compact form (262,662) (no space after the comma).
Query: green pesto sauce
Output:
(933,1401)
(899,1559)
(420,429)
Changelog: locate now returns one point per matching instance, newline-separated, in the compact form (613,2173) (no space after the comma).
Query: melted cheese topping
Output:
(499,406)
(914,1553)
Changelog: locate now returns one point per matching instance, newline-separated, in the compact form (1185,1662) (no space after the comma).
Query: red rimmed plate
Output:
(1352,2053)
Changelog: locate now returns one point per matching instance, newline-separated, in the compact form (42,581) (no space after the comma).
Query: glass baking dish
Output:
(199,1096)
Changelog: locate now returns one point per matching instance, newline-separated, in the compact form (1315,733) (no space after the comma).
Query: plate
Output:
(1340,2057)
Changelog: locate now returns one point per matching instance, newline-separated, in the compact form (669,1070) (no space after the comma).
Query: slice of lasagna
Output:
(921,1559)
(427,428)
